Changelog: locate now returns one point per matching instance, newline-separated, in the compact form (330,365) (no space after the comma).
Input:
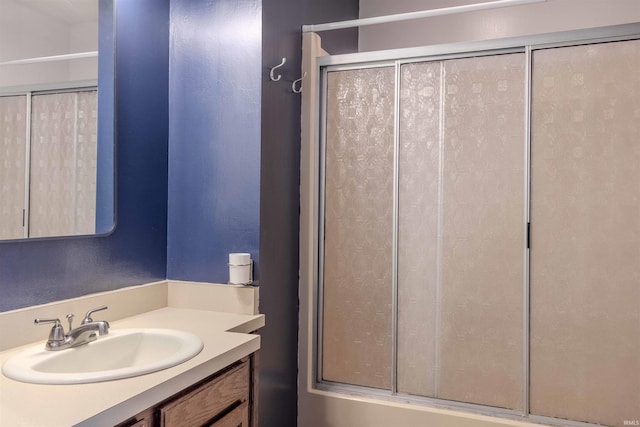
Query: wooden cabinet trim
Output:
(208,400)
(239,417)
(227,398)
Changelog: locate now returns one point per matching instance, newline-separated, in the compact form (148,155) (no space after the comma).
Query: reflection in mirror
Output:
(56,118)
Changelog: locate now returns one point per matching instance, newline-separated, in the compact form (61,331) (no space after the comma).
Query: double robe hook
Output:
(275,78)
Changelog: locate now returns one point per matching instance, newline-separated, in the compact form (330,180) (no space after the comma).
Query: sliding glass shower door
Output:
(585,231)
(461,230)
(479,231)
(63,164)
(358,227)
(48,163)
(13,140)
(459,207)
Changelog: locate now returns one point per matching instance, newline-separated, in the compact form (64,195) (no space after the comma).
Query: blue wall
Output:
(35,272)
(214,138)
(234,160)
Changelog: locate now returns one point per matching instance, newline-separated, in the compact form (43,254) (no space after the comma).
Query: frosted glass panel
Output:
(86,163)
(358,227)
(63,151)
(585,219)
(461,230)
(13,113)
(419,171)
(482,237)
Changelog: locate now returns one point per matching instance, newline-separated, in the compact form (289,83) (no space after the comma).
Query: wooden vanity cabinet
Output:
(225,399)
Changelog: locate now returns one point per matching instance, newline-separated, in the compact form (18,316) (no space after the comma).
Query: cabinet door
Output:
(239,417)
(143,419)
(135,423)
(208,401)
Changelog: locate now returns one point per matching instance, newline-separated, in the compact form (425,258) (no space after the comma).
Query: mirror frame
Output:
(106,217)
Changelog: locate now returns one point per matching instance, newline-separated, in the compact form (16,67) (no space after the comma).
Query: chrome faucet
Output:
(85,333)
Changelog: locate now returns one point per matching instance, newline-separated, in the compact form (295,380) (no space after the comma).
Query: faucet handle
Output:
(39,321)
(57,332)
(70,320)
(87,317)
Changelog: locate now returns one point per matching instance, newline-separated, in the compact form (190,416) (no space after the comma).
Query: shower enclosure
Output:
(48,166)
(478,227)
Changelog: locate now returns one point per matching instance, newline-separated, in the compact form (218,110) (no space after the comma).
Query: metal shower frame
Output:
(397,57)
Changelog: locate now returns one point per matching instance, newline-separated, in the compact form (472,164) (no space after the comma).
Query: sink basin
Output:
(123,353)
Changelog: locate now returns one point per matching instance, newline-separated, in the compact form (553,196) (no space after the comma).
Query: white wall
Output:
(547,17)
(83,37)
(26,32)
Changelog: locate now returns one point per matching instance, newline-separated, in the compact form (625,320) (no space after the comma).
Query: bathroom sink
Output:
(123,353)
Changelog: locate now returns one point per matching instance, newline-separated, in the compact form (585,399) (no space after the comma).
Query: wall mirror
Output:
(57,149)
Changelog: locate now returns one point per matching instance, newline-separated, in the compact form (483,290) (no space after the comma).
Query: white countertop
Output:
(226,339)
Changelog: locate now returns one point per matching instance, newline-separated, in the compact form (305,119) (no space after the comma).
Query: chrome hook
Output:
(293,85)
(275,79)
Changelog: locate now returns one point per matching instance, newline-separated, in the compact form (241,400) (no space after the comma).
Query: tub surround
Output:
(226,337)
